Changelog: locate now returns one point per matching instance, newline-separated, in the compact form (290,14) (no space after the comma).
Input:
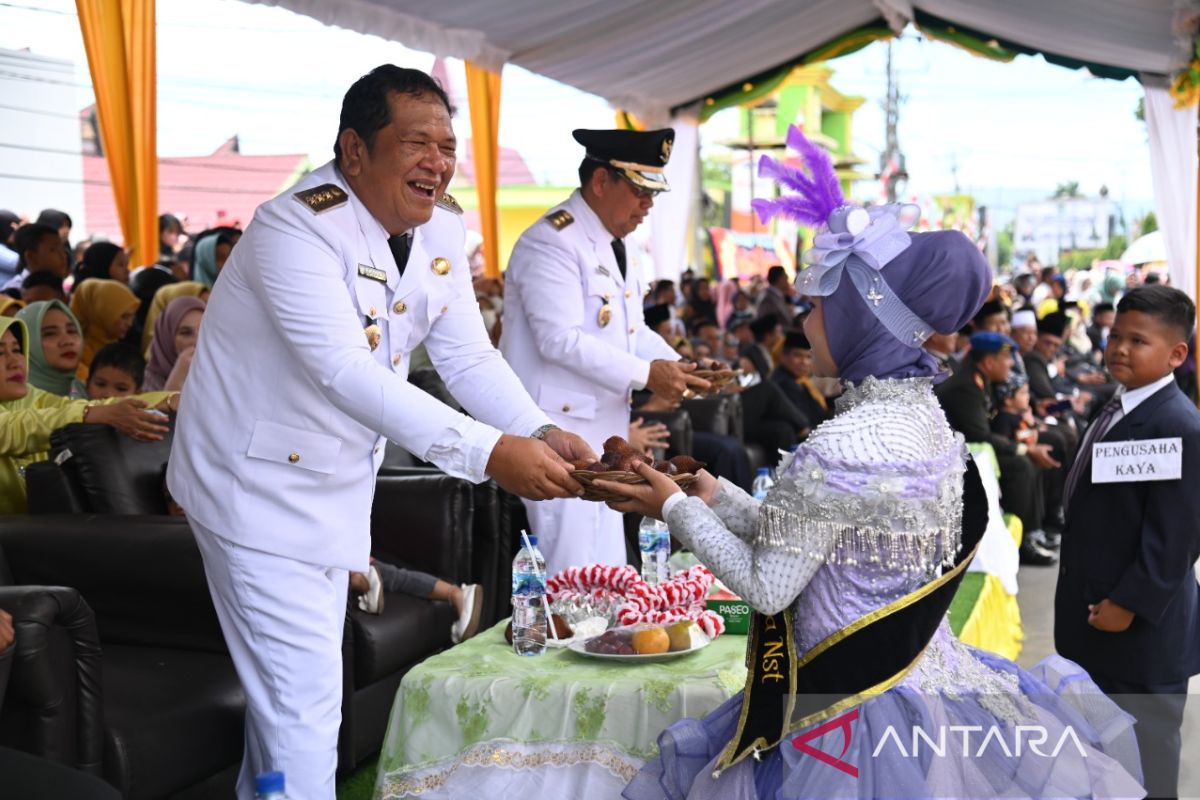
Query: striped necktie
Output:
(1083,460)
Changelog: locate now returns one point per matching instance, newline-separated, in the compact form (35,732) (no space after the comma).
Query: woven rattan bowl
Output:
(586,478)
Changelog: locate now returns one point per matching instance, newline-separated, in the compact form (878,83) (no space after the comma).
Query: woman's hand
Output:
(131,418)
(646,437)
(642,498)
(705,487)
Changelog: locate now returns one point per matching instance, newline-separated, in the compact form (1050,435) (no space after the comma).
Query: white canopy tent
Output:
(657,58)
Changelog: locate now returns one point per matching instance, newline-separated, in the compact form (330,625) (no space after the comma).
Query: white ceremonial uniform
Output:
(283,427)
(561,284)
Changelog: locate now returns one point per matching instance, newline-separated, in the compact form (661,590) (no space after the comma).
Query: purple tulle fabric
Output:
(1105,764)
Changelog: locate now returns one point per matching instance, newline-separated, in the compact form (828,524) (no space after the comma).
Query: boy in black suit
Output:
(1127,605)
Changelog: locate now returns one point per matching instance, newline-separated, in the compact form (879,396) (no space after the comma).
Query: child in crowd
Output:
(40,249)
(1015,419)
(466,599)
(42,286)
(117,371)
(30,415)
(1127,605)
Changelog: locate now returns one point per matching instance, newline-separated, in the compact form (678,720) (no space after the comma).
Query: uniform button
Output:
(628,293)
(400,308)
(566,408)
(445,309)
(396,360)
(293,458)
(374,312)
(376,451)
(633,329)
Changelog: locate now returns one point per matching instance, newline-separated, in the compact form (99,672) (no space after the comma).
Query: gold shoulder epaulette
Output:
(322,198)
(560,219)
(448,202)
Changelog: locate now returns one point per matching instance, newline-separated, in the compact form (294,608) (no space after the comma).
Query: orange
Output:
(651,641)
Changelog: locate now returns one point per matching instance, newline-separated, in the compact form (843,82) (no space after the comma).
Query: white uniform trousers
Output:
(282,621)
(573,532)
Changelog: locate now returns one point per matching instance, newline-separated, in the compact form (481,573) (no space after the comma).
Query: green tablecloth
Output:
(479,704)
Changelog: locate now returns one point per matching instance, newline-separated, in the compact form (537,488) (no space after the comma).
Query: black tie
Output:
(619,252)
(400,244)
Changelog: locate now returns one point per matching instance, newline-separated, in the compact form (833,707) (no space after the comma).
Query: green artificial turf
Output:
(359,784)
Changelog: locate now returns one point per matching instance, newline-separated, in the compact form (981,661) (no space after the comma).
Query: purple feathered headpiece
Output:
(818,196)
(850,239)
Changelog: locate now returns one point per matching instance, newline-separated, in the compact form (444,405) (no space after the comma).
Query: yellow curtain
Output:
(119,38)
(483,97)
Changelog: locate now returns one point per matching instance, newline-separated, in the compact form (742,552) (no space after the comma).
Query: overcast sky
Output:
(276,79)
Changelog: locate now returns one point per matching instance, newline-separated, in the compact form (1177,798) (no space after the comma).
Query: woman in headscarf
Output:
(106,311)
(212,249)
(55,347)
(9,306)
(700,302)
(851,560)
(106,261)
(162,298)
(28,416)
(175,334)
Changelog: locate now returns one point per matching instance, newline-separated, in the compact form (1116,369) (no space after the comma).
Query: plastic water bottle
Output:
(654,543)
(269,786)
(529,601)
(762,484)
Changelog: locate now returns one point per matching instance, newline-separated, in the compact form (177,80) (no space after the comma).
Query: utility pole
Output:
(891,160)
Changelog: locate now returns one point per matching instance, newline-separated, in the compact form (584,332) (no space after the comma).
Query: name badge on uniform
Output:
(1138,460)
(603,270)
(372,273)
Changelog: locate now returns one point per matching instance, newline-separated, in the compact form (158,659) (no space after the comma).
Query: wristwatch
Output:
(541,432)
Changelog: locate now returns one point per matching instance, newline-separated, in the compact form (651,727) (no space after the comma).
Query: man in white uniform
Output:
(299,381)
(573,326)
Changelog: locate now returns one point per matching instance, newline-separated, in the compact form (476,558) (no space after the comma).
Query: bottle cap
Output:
(764,471)
(533,540)
(267,782)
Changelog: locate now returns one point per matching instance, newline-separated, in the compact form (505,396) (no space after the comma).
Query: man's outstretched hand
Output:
(530,468)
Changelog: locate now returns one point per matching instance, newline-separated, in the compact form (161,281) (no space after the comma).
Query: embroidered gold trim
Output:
(492,754)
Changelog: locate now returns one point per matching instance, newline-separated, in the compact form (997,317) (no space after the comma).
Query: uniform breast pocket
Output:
(371,297)
(283,444)
(568,402)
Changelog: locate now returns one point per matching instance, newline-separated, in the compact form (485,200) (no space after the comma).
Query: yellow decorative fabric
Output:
(119,38)
(995,622)
(483,97)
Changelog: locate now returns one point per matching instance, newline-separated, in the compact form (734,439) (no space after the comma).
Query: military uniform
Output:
(297,384)
(575,335)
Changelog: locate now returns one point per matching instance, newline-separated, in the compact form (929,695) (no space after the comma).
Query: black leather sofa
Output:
(120,667)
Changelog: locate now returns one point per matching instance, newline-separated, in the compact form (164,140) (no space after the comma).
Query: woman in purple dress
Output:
(857,687)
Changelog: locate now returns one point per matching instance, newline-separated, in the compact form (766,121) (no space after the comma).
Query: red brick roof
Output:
(513,169)
(219,189)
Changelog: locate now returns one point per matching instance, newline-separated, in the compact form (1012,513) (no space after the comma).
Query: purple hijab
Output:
(942,278)
(162,347)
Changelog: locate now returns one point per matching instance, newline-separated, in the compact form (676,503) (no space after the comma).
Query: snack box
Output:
(734,610)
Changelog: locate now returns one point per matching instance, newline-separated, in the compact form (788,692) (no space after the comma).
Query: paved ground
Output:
(1037,615)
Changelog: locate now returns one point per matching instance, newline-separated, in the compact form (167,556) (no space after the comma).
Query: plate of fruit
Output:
(644,643)
(617,465)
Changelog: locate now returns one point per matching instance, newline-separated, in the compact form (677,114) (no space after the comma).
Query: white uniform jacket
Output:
(578,360)
(288,409)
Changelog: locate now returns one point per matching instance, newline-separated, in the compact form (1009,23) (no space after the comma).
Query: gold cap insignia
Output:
(322,198)
(448,202)
(440,266)
(605,315)
(666,149)
(374,335)
(560,219)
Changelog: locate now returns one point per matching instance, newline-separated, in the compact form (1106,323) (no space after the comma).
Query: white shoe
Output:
(372,601)
(467,624)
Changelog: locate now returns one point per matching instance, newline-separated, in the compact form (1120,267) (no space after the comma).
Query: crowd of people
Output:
(88,339)
(875,506)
